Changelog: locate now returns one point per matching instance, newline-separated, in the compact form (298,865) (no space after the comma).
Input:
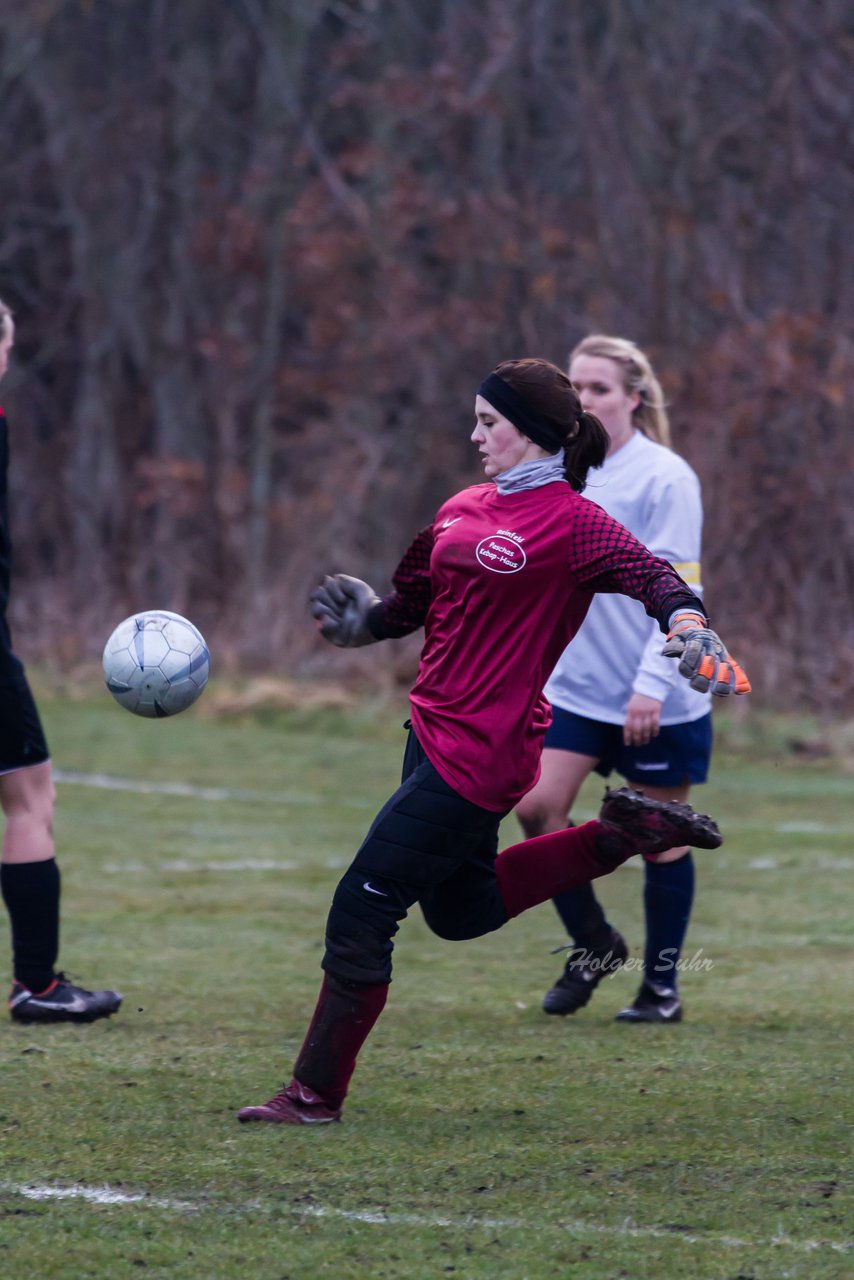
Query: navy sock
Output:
(667,898)
(31,893)
(582,916)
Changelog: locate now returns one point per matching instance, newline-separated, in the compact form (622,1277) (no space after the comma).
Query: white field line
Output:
(798,827)
(105,782)
(770,863)
(107,1196)
(235,864)
(808,828)
(179,865)
(182,865)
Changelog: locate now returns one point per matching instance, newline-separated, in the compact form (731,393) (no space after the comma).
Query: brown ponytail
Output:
(587,448)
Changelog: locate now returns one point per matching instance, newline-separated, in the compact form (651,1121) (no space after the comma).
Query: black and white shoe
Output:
(653,1003)
(61,1002)
(585,968)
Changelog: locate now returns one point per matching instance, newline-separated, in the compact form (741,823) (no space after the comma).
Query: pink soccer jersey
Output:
(501,583)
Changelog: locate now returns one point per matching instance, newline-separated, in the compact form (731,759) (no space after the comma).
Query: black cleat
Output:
(61,1002)
(634,824)
(585,969)
(653,1003)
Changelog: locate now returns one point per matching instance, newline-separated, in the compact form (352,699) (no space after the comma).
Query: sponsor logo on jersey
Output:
(501,553)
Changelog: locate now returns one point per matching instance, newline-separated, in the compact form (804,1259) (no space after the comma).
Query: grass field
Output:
(481,1139)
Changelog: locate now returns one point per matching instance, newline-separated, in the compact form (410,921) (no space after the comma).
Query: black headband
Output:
(517,410)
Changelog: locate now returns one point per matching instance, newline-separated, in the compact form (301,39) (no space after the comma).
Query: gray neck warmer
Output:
(531,475)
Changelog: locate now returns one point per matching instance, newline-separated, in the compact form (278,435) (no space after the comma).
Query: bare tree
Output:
(262,253)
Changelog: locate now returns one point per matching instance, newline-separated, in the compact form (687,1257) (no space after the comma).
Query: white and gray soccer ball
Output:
(156,663)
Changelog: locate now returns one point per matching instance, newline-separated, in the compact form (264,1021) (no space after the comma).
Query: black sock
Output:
(583,917)
(31,893)
(667,898)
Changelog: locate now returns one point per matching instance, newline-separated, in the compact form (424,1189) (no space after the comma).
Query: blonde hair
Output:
(650,415)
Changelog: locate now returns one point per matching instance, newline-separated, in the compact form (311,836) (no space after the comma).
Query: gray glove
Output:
(703,658)
(341,605)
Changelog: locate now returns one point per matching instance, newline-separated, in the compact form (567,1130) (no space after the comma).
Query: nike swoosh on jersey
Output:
(370,889)
(446,524)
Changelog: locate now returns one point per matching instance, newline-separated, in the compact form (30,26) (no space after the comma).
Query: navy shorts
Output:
(679,754)
(22,740)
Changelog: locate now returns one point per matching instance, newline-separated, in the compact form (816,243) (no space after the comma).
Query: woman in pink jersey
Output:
(500,581)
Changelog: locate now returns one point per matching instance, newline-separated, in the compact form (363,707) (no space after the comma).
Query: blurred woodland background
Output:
(261,253)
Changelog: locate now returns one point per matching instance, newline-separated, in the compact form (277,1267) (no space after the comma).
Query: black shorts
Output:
(22,740)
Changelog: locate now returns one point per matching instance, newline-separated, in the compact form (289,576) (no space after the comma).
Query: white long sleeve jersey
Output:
(617,651)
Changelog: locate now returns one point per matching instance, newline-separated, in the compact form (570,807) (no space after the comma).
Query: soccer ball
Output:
(156,663)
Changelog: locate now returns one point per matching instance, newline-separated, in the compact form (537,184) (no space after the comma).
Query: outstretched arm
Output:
(349,613)
(606,557)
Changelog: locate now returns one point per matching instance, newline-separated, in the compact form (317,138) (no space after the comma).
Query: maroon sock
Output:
(342,1021)
(536,870)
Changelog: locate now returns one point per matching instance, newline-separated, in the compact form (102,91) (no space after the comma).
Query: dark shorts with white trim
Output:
(678,755)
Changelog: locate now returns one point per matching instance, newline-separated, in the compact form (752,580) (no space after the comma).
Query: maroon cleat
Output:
(295,1104)
(635,824)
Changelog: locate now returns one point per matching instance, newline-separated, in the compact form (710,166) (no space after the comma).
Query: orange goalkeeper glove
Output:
(703,659)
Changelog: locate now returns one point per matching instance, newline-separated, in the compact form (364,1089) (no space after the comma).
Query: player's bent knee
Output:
(456,921)
(535,819)
(451,932)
